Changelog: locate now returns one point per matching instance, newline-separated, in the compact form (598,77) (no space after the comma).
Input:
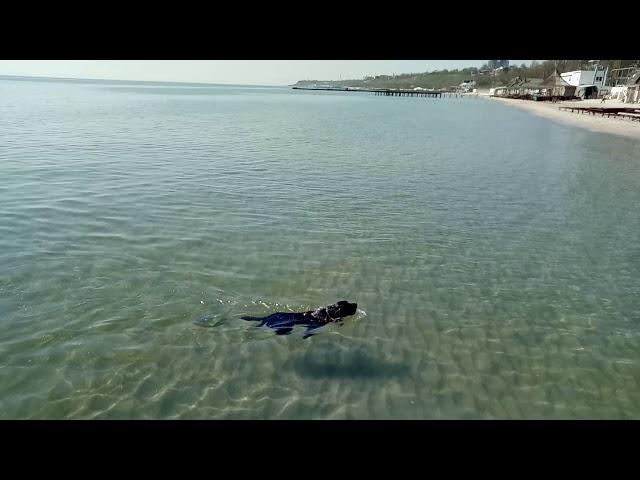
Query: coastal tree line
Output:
(484,76)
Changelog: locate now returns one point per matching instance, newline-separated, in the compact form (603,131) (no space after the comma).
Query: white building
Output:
(467,85)
(618,93)
(633,89)
(579,78)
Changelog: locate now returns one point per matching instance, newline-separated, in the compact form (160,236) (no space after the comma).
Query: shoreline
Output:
(615,126)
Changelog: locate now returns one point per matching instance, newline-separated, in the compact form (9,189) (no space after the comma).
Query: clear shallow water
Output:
(495,256)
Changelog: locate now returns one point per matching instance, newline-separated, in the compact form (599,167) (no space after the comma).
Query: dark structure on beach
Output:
(556,86)
(553,87)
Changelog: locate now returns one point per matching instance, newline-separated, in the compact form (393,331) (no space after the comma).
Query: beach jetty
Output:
(387,92)
(409,93)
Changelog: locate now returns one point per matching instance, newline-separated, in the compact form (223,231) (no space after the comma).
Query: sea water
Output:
(494,256)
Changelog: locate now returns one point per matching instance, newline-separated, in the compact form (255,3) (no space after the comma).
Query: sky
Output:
(242,72)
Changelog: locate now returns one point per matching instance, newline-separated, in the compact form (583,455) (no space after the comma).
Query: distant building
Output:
(532,86)
(619,77)
(580,78)
(556,86)
(467,85)
(536,88)
(633,89)
(493,64)
(586,91)
(510,88)
(524,86)
(618,93)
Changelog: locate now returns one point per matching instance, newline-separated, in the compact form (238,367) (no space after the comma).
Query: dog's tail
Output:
(251,319)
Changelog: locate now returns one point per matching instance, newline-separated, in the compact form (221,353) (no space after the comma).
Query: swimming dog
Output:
(283,322)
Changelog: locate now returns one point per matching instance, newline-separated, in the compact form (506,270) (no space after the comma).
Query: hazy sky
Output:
(251,72)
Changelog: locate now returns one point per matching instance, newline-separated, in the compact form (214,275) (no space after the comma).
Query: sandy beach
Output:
(594,123)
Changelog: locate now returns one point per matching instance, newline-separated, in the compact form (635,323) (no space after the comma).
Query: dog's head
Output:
(342,309)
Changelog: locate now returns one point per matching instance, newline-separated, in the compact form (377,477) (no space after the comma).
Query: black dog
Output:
(283,323)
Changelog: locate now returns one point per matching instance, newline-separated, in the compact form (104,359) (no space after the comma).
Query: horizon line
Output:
(32,77)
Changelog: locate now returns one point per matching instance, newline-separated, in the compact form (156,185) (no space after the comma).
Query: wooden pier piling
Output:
(387,92)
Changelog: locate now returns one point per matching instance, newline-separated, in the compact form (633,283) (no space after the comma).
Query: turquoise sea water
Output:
(494,256)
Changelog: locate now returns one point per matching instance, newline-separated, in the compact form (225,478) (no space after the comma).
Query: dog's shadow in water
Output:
(349,365)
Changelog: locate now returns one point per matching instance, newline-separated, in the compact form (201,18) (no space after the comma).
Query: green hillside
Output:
(447,78)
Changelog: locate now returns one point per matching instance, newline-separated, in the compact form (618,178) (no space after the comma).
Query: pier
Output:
(388,92)
(409,93)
